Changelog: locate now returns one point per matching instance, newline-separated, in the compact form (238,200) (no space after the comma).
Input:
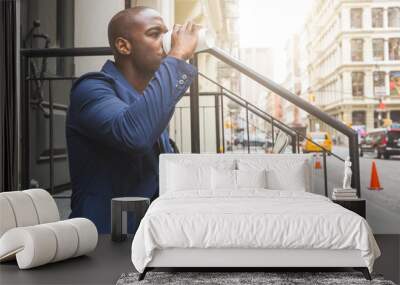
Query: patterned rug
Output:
(243,278)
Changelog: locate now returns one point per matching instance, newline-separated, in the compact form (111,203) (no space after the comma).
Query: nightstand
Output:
(356,205)
(137,205)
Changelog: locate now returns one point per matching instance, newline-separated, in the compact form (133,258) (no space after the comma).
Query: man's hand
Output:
(184,40)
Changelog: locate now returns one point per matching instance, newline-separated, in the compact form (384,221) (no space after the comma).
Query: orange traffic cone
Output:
(374,184)
(317,164)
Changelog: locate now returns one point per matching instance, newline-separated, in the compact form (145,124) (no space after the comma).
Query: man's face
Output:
(147,51)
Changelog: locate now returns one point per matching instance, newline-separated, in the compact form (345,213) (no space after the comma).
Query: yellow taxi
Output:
(321,138)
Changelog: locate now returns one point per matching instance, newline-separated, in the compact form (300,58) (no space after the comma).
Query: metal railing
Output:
(289,96)
(27,54)
(275,123)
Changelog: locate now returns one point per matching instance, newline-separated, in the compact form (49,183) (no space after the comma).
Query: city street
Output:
(383,207)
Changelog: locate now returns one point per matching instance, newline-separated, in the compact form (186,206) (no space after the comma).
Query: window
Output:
(379,117)
(356,18)
(395,83)
(357,83)
(357,49)
(378,49)
(379,83)
(377,17)
(395,116)
(394,17)
(394,49)
(358,118)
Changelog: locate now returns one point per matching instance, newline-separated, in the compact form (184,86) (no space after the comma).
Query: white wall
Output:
(91,21)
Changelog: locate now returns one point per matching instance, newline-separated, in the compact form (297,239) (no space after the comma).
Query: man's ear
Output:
(123,46)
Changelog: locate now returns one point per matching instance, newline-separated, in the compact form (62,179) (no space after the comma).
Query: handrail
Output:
(270,119)
(277,122)
(279,90)
(65,52)
(223,56)
(238,97)
(236,64)
(302,104)
(265,116)
(97,51)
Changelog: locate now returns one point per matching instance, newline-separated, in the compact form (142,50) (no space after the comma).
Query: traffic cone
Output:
(317,164)
(374,184)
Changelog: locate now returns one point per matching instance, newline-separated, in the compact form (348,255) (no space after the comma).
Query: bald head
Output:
(124,22)
(135,36)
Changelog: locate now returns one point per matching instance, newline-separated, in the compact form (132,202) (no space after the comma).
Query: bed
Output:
(247,211)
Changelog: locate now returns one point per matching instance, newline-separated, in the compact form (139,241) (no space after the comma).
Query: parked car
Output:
(321,138)
(382,142)
(257,140)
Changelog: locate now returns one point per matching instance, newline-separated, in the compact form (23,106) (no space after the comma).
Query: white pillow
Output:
(251,178)
(223,179)
(183,177)
(288,177)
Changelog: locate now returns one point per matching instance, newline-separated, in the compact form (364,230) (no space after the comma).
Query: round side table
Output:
(137,205)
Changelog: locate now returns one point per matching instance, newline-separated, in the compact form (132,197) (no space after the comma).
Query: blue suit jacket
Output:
(114,135)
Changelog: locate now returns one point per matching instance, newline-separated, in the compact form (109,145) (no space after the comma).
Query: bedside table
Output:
(356,205)
(137,205)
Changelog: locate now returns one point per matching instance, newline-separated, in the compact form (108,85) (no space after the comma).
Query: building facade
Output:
(294,82)
(353,51)
(261,60)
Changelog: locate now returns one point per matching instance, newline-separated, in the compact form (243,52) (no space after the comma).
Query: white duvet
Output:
(253,218)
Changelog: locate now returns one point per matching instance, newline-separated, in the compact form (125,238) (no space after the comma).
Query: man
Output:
(117,119)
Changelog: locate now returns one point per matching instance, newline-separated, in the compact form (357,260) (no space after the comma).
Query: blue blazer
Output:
(115,134)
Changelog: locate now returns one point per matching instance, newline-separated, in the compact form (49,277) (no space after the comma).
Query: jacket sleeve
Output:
(98,112)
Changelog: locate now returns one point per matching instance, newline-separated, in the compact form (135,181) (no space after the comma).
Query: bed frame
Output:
(245,258)
(242,259)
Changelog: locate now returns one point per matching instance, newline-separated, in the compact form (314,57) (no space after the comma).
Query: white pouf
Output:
(40,244)
(30,230)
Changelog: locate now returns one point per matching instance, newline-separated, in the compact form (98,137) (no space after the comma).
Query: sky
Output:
(269,23)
